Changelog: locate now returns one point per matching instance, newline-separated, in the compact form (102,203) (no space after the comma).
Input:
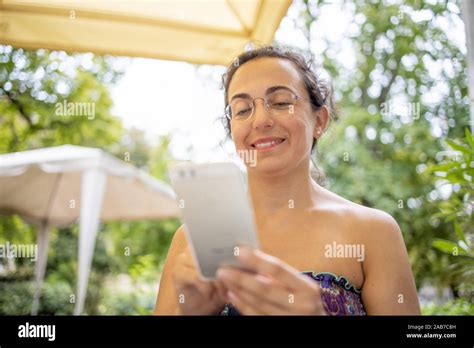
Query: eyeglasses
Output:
(280,102)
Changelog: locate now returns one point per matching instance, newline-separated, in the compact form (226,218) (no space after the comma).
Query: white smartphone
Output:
(217,213)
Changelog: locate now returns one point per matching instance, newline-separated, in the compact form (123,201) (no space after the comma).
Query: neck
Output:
(294,189)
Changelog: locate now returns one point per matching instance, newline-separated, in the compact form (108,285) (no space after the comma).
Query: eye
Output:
(282,104)
(281,100)
(244,112)
(241,108)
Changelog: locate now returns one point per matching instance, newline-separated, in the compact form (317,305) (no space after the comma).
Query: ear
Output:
(322,121)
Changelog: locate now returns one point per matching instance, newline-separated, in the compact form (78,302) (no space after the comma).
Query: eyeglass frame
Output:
(265,103)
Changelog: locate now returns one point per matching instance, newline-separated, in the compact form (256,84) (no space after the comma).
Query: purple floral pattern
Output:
(339,296)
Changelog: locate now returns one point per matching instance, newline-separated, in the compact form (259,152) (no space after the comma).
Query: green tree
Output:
(456,171)
(32,83)
(389,130)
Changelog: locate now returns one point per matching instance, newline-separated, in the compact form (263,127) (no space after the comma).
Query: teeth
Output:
(267,144)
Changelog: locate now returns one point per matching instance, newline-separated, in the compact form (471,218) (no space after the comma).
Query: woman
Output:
(320,254)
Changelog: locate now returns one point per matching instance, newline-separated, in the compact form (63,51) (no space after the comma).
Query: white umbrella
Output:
(197,31)
(57,186)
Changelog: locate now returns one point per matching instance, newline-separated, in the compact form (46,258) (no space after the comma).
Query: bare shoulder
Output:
(368,223)
(388,286)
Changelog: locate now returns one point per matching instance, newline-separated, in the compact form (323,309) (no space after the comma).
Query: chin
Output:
(270,166)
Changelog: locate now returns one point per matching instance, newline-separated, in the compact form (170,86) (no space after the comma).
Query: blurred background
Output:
(400,141)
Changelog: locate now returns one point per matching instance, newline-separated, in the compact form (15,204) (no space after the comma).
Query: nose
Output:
(261,117)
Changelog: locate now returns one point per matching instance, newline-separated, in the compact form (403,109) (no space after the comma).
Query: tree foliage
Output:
(32,83)
(404,95)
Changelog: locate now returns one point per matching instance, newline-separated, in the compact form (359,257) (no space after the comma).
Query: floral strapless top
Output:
(339,296)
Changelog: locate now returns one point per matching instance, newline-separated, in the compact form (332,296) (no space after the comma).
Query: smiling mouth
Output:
(267,145)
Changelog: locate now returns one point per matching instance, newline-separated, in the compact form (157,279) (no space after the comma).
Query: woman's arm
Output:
(166,303)
(389,287)
(197,296)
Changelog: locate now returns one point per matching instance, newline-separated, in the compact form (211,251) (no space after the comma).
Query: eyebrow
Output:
(267,92)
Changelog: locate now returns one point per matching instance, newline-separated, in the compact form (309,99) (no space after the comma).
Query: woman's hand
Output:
(275,288)
(196,295)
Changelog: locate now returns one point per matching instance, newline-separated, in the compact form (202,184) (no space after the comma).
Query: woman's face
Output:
(293,132)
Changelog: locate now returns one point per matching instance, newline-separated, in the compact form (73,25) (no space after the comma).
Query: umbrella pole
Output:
(92,193)
(40,267)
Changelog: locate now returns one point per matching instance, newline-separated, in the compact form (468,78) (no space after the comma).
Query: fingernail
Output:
(222,273)
(231,295)
(244,252)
